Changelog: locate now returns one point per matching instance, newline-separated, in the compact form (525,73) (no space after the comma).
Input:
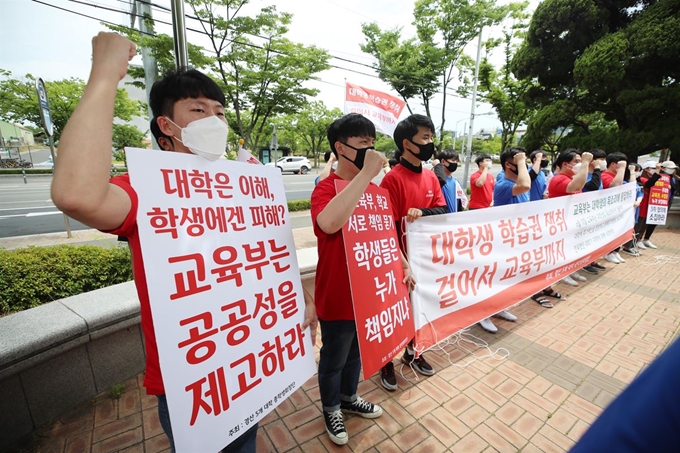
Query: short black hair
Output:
(397,154)
(393,162)
(532,156)
(408,128)
(509,154)
(327,155)
(481,158)
(448,154)
(566,156)
(156,131)
(181,84)
(350,125)
(598,153)
(615,157)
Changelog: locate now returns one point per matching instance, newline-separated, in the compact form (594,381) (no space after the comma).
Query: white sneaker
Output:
(618,257)
(649,244)
(640,245)
(569,281)
(505,314)
(488,325)
(578,277)
(612,258)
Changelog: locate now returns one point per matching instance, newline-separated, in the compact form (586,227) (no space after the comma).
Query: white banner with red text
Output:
(473,264)
(381,108)
(224,289)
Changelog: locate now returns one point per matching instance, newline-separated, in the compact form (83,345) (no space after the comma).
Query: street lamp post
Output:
(456,136)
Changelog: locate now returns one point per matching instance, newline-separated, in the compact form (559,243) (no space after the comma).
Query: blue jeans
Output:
(246,443)
(339,363)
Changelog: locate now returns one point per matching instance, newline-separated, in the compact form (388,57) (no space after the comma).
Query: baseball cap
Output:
(649,164)
(669,164)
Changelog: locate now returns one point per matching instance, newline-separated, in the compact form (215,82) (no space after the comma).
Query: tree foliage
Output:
(19,101)
(620,59)
(260,80)
(127,136)
(500,88)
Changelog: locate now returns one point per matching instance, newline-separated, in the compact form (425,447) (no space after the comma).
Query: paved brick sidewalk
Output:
(564,365)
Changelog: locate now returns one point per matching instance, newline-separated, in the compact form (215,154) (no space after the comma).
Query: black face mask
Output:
(361,155)
(426,151)
(544,164)
(452,167)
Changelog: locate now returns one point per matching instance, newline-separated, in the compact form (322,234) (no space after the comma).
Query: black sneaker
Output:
(598,266)
(361,407)
(420,364)
(335,427)
(591,269)
(387,377)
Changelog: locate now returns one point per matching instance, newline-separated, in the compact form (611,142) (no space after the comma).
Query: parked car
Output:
(295,164)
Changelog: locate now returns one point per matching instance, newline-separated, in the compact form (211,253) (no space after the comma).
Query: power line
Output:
(230,40)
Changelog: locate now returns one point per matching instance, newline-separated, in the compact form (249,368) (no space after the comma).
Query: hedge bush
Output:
(34,275)
(299,205)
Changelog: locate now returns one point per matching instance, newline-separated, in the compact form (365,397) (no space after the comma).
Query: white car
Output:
(295,164)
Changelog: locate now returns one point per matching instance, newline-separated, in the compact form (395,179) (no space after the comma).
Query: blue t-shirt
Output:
(538,186)
(449,191)
(588,178)
(645,416)
(502,193)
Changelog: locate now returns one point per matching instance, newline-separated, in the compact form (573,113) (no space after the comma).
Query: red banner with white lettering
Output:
(473,264)
(381,108)
(382,308)
(659,196)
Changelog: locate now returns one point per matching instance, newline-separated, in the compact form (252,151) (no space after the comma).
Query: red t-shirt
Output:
(481,197)
(607,178)
(409,189)
(332,295)
(153,381)
(644,206)
(558,186)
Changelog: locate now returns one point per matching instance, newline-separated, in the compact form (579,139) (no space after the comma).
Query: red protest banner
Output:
(658,201)
(382,307)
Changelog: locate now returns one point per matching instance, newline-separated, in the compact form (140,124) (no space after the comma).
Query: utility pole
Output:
(468,153)
(179,32)
(143,10)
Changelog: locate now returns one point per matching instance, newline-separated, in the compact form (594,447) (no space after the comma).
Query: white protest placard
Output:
(473,264)
(224,289)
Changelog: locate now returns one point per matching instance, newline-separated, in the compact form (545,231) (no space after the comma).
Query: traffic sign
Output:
(44,107)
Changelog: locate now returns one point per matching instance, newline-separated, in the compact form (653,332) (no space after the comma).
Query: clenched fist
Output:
(111,53)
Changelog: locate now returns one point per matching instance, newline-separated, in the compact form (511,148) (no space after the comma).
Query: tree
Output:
(501,89)
(312,124)
(262,80)
(127,136)
(619,59)
(406,66)
(447,26)
(19,101)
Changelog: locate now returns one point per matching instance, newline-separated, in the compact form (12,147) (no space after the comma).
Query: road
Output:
(27,208)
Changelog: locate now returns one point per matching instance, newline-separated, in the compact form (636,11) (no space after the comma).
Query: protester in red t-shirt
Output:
(481,184)
(81,187)
(572,173)
(351,139)
(616,168)
(413,193)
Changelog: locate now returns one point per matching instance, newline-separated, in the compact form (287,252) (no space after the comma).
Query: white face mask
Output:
(668,171)
(206,137)
(576,167)
(603,165)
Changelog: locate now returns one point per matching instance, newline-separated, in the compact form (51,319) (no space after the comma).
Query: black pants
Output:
(642,230)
